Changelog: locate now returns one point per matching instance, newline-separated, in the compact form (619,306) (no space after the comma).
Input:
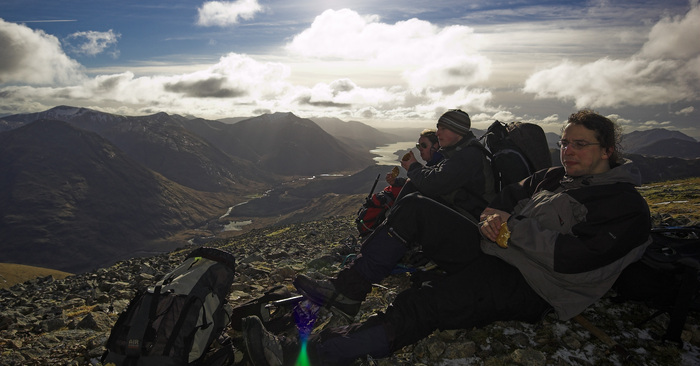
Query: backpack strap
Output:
(180,322)
(135,337)
(489,156)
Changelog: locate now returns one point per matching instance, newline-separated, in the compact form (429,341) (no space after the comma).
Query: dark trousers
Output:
(477,290)
(446,237)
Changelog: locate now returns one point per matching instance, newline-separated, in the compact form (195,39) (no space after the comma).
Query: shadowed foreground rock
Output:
(67,322)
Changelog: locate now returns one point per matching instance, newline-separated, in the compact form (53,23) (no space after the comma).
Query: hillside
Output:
(160,143)
(352,132)
(675,147)
(288,145)
(284,144)
(12,274)
(72,201)
(635,140)
(50,321)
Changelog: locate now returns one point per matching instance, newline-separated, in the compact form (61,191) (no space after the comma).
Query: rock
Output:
(322,262)
(96,321)
(529,357)
(52,324)
(67,322)
(459,350)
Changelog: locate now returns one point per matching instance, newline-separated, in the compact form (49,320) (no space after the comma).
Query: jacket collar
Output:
(464,142)
(626,172)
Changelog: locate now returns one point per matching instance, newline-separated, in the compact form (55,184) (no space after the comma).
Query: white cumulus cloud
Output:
(428,55)
(93,42)
(224,13)
(34,57)
(665,70)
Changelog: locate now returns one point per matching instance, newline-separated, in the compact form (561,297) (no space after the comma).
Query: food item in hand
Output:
(503,236)
(406,156)
(395,172)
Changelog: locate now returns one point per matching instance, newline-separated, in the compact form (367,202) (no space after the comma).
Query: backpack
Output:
(273,308)
(667,278)
(175,321)
(374,210)
(516,150)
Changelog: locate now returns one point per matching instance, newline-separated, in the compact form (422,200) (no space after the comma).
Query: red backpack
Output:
(373,211)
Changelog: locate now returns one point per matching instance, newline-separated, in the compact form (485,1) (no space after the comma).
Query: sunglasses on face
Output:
(421,145)
(576,144)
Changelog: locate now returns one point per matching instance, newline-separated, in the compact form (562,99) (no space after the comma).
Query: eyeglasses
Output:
(576,144)
(421,145)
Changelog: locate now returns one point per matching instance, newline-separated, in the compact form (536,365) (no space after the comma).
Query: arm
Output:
(463,169)
(616,221)
(500,209)
(510,195)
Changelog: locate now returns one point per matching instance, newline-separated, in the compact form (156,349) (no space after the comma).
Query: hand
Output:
(491,222)
(407,163)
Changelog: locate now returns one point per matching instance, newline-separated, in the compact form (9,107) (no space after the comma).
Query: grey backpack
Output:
(176,321)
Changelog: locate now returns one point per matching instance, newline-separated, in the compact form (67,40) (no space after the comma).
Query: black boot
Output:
(266,349)
(324,293)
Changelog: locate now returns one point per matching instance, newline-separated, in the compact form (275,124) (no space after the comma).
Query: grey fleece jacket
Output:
(572,236)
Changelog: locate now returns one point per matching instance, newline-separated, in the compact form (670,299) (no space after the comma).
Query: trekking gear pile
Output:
(667,278)
(373,211)
(273,308)
(516,150)
(176,321)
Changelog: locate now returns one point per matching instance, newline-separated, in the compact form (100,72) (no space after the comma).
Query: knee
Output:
(409,319)
(406,210)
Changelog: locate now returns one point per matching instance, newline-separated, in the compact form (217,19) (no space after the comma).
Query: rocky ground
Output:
(66,322)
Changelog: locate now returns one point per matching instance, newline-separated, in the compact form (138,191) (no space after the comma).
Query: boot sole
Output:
(325,304)
(251,328)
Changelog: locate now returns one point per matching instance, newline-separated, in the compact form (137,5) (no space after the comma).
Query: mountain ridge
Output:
(72,199)
(161,179)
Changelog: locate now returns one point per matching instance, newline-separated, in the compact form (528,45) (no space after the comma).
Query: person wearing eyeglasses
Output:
(573,229)
(428,146)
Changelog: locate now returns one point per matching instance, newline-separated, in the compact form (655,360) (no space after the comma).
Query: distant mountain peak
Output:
(66,111)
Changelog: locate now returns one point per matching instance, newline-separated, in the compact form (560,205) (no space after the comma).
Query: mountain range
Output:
(80,189)
(70,198)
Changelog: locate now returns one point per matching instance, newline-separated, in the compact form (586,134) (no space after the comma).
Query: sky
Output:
(384,63)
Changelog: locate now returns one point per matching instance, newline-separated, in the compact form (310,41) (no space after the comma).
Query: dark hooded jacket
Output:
(463,180)
(572,236)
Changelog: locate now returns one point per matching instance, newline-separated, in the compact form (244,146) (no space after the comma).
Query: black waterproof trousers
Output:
(477,290)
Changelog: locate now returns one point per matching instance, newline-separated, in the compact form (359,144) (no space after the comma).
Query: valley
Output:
(81,189)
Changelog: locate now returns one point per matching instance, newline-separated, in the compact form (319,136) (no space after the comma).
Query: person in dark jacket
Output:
(428,146)
(572,231)
(459,182)
(463,179)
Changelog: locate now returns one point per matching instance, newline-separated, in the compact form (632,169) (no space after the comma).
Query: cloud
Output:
(94,42)
(665,70)
(224,13)
(427,55)
(34,57)
(675,38)
(685,111)
(437,66)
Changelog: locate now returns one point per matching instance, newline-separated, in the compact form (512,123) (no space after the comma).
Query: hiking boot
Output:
(323,293)
(263,348)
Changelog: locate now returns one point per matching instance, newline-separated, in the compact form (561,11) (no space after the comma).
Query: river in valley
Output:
(387,153)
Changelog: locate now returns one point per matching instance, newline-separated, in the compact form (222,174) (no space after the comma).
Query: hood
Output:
(626,172)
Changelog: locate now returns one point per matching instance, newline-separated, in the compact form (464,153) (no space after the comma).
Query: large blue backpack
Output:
(176,321)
